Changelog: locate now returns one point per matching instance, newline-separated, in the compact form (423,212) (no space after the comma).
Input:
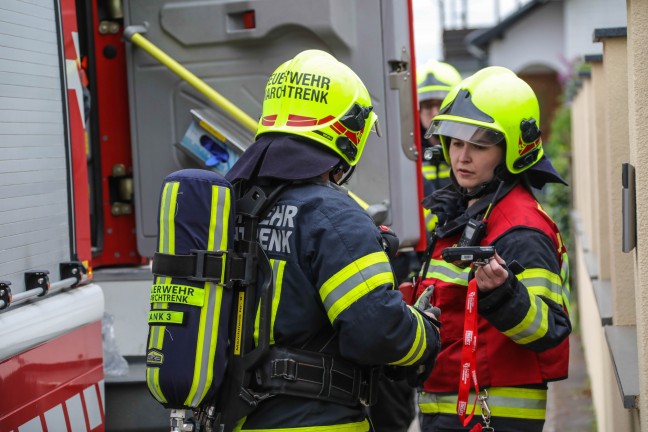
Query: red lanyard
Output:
(468,355)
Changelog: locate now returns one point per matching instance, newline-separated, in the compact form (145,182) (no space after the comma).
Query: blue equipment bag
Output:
(201,352)
(191,299)
(209,288)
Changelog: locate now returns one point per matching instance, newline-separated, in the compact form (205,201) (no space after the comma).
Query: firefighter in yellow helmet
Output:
(506,322)
(434,80)
(336,319)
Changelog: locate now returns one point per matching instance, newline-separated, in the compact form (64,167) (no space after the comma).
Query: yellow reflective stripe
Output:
(353,295)
(353,281)
(362,426)
(257,325)
(156,334)
(206,344)
(158,337)
(238,329)
(564,271)
(534,325)
(210,312)
(543,211)
(350,270)
(362,203)
(542,282)
(447,272)
(278,273)
(518,403)
(192,397)
(170,317)
(219,220)
(166,240)
(174,293)
(434,406)
(564,274)
(512,402)
(430,172)
(170,219)
(418,346)
(153,383)
(276,298)
(430,219)
(163,234)
(166,244)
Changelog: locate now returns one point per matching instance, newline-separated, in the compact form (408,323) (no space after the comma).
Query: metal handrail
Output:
(133,34)
(23,296)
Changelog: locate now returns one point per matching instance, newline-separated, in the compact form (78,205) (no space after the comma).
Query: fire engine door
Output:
(234,46)
(35,181)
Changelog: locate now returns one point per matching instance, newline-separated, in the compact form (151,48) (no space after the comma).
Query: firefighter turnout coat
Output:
(522,326)
(333,294)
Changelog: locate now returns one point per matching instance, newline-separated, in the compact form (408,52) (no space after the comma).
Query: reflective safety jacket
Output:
(523,325)
(435,176)
(333,293)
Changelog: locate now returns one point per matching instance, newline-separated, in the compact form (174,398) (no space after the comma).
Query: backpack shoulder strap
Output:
(254,201)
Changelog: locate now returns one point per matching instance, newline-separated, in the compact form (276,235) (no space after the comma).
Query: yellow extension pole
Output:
(359,200)
(192,79)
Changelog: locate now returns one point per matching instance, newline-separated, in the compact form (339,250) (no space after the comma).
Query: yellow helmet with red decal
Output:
(317,97)
(490,107)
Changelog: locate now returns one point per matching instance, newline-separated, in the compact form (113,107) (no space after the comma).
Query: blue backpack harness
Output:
(201,353)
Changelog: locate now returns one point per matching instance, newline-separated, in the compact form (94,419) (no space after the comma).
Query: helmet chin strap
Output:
(501,173)
(341,167)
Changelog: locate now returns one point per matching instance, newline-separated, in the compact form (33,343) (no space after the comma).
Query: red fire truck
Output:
(98,100)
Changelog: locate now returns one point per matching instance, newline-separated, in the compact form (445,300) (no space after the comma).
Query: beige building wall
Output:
(638,139)
(599,145)
(617,151)
(609,128)
(594,346)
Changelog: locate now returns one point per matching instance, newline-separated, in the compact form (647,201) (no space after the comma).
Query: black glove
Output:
(389,240)
(424,304)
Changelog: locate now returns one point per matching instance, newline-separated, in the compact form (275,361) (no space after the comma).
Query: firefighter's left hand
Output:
(491,275)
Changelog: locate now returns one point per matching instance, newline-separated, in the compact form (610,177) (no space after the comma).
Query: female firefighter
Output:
(335,316)
(516,339)
(395,408)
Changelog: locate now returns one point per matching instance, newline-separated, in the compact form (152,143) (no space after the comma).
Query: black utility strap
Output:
(200,266)
(295,372)
(327,374)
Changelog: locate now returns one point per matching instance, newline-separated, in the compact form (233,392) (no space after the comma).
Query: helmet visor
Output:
(465,132)
(432,95)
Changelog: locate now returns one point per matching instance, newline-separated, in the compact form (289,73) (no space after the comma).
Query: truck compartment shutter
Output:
(235,56)
(34,203)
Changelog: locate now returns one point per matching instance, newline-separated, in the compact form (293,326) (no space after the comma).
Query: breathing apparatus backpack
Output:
(200,352)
